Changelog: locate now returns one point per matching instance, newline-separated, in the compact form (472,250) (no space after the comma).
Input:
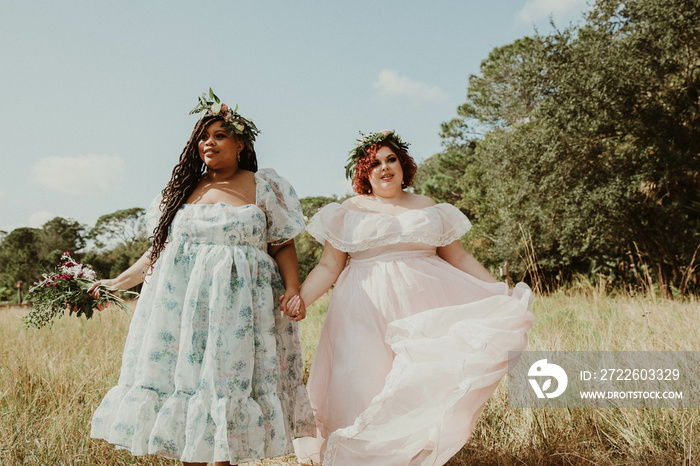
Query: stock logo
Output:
(544,371)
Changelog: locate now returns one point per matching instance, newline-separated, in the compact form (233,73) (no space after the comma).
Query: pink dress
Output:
(412,347)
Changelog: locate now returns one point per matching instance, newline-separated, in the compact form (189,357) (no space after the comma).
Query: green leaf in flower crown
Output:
(213,96)
(235,123)
(366,141)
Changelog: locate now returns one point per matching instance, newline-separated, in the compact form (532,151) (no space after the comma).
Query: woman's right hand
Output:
(95,293)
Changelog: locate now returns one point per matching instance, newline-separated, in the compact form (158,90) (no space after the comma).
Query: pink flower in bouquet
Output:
(67,290)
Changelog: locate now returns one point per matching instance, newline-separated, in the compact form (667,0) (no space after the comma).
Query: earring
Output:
(238,157)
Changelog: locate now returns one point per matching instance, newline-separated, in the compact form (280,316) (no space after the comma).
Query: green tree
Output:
(309,250)
(311,205)
(59,235)
(441,177)
(121,238)
(27,252)
(590,144)
(126,226)
(125,231)
(63,234)
(19,257)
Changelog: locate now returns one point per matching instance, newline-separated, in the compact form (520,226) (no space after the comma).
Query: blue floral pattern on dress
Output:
(211,370)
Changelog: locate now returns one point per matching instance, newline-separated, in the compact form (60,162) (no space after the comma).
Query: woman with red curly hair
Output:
(418,331)
(363,169)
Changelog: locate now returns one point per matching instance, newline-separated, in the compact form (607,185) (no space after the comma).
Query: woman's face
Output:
(217,149)
(386,176)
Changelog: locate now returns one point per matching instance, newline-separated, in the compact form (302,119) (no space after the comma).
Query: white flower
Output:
(216,108)
(239,127)
(89,274)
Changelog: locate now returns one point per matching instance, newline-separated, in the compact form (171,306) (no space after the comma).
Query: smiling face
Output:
(386,176)
(217,149)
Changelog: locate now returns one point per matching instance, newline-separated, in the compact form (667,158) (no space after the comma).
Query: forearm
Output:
(459,258)
(286,257)
(319,280)
(473,267)
(324,274)
(132,276)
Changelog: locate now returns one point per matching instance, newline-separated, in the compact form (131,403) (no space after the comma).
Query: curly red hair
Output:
(363,168)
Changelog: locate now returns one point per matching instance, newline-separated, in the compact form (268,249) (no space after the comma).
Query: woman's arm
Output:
(459,258)
(285,255)
(324,274)
(127,279)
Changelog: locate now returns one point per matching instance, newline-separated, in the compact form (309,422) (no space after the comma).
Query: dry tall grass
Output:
(580,319)
(52,381)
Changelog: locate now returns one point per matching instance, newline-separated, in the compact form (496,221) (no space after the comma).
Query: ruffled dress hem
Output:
(187,409)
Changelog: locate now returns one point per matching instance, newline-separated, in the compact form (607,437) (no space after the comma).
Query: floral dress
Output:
(211,370)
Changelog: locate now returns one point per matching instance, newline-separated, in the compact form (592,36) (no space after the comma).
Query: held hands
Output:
(293,306)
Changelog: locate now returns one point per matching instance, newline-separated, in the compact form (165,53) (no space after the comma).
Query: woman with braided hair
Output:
(211,369)
(418,332)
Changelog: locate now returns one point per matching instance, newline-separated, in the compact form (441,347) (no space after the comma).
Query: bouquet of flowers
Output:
(67,289)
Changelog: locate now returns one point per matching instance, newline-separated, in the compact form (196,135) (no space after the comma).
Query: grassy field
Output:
(52,380)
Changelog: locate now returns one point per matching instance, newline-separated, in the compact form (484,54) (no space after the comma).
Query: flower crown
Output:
(233,121)
(368,140)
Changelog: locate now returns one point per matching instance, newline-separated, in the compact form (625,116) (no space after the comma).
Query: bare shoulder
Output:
(247,176)
(245,181)
(418,201)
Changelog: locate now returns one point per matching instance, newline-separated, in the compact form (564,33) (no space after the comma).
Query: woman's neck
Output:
(222,175)
(388,198)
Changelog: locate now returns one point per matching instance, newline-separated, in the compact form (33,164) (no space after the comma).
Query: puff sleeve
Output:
(279,201)
(153,214)
(352,231)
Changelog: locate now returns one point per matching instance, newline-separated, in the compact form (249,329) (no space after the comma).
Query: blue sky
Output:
(95,95)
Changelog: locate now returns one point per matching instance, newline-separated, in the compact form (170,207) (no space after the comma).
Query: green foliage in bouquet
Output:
(68,289)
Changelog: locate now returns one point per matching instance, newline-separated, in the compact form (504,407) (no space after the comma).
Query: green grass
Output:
(52,380)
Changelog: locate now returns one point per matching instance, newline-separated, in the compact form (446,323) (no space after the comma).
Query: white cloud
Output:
(87,175)
(537,10)
(37,219)
(391,84)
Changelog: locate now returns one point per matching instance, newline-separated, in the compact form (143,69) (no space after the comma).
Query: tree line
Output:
(115,242)
(576,154)
(110,247)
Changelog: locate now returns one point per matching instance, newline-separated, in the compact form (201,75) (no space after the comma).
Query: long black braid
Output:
(184,180)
